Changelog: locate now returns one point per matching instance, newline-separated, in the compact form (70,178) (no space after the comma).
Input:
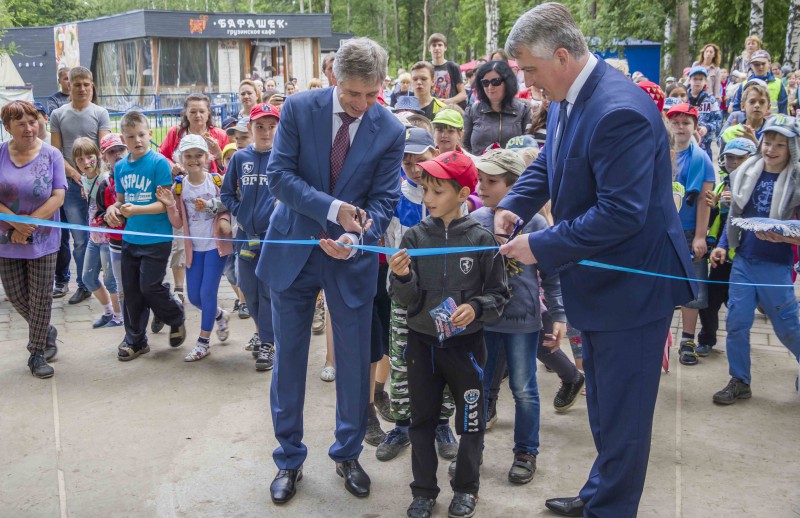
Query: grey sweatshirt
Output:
(475,278)
(523,312)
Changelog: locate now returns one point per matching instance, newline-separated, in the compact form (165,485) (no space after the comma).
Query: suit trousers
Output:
(292,312)
(623,370)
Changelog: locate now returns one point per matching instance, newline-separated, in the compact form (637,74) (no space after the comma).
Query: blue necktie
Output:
(562,124)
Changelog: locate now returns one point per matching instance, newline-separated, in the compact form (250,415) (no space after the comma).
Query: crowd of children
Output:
(456,323)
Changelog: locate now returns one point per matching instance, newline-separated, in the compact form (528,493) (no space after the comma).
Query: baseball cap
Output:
(761,56)
(230,148)
(755,81)
(782,124)
(738,74)
(192,142)
(686,71)
(418,141)
(449,117)
(407,102)
(264,110)
(739,147)
(111,140)
(241,125)
(669,102)
(698,69)
(229,122)
(500,161)
(670,79)
(453,166)
(40,108)
(684,108)
(786,69)
(521,142)
(654,91)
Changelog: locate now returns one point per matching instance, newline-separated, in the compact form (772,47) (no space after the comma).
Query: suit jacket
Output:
(299,177)
(611,188)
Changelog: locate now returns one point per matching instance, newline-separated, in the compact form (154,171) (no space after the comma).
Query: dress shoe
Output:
(566,506)
(284,486)
(356,479)
(79,296)
(50,348)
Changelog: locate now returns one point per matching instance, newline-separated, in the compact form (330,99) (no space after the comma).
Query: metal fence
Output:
(162,110)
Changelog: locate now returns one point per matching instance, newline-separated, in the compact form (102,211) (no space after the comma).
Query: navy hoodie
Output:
(245,191)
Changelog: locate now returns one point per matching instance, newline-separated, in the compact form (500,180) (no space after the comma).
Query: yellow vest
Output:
(774,89)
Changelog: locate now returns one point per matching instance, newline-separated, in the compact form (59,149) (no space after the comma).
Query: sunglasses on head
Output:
(497,81)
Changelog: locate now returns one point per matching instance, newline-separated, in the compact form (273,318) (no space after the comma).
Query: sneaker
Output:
(318,323)
(462,505)
(393,442)
(222,326)
(446,443)
(328,373)
(266,357)
(156,325)
(421,507)
(115,322)
(236,305)
(383,406)
(523,468)
(199,352)
(102,321)
(244,311)
(177,335)
(179,295)
(39,367)
(79,296)
(492,418)
(253,343)
(568,394)
(50,347)
(687,353)
(734,390)
(375,434)
(60,289)
(703,350)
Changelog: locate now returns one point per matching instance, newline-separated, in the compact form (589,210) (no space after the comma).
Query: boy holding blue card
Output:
(454,355)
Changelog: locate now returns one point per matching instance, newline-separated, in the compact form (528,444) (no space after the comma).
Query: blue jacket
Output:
(245,190)
(611,191)
(299,177)
(709,115)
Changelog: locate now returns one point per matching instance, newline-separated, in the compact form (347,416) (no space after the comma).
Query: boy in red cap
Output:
(695,172)
(449,297)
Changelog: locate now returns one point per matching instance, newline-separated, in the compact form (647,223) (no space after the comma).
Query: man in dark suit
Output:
(606,167)
(332,145)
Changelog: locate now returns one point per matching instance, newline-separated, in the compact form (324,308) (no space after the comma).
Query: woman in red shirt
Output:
(195,120)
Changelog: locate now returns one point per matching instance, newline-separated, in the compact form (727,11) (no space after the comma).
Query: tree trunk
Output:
(424,30)
(682,53)
(792,54)
(492,22)
(252,6)
(757,18)
(693,27)
(327,6)
(302,6)
(396,33)
(668,46)
(348,15)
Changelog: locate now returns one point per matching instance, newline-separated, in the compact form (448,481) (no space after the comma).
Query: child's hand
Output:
(165,196)
(200,204)
(463,315)
(749,133)
(400,263)
(113,216)
(128,210)
(712,199)
(699,247)
(177,170)
(718,257)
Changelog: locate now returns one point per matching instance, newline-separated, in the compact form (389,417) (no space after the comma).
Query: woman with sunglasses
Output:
(498,115)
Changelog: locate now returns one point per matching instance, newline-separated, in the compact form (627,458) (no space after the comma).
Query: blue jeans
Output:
(98,256)
(779,304)
(202,281)
(76,211)
(520,352)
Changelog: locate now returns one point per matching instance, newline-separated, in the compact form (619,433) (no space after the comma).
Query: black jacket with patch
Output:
(475,278)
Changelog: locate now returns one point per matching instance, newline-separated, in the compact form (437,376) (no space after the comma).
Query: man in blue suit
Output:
(606,167)
(335,164)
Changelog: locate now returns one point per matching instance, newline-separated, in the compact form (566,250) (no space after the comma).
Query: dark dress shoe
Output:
(356,479)
(79,296)
(566,506)
(284,486)
(50,348)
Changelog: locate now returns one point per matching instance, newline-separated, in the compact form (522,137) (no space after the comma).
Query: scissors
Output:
(362,223)
(514,233)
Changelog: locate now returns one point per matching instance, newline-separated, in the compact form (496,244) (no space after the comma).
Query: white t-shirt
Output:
(201,223)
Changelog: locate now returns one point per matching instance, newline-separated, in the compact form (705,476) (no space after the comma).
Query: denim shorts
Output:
(701,274)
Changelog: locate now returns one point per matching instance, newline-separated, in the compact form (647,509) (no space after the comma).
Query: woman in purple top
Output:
(32,183)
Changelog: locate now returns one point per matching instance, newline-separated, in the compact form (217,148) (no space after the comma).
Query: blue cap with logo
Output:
(418,141)
(783,124)
(740,146)
(40,108)
(698,69)
(521,142)
(408,103)
(669,102)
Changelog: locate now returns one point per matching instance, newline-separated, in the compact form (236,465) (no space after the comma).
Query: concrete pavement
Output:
(161,437)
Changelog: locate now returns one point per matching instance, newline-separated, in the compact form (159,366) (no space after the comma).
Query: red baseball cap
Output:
(684,108)
(453,166)
(264,110)
(111,140)
(655,92)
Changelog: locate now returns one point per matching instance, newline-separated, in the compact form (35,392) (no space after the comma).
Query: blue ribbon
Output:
(413,252)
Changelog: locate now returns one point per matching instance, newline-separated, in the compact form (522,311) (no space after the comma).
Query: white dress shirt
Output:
(577,86)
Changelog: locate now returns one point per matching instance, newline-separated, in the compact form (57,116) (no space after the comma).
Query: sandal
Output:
(126,353)
(328,373)
(199,352)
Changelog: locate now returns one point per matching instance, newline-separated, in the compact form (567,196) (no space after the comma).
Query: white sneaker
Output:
(222,326)
(252,343)
(199,352)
